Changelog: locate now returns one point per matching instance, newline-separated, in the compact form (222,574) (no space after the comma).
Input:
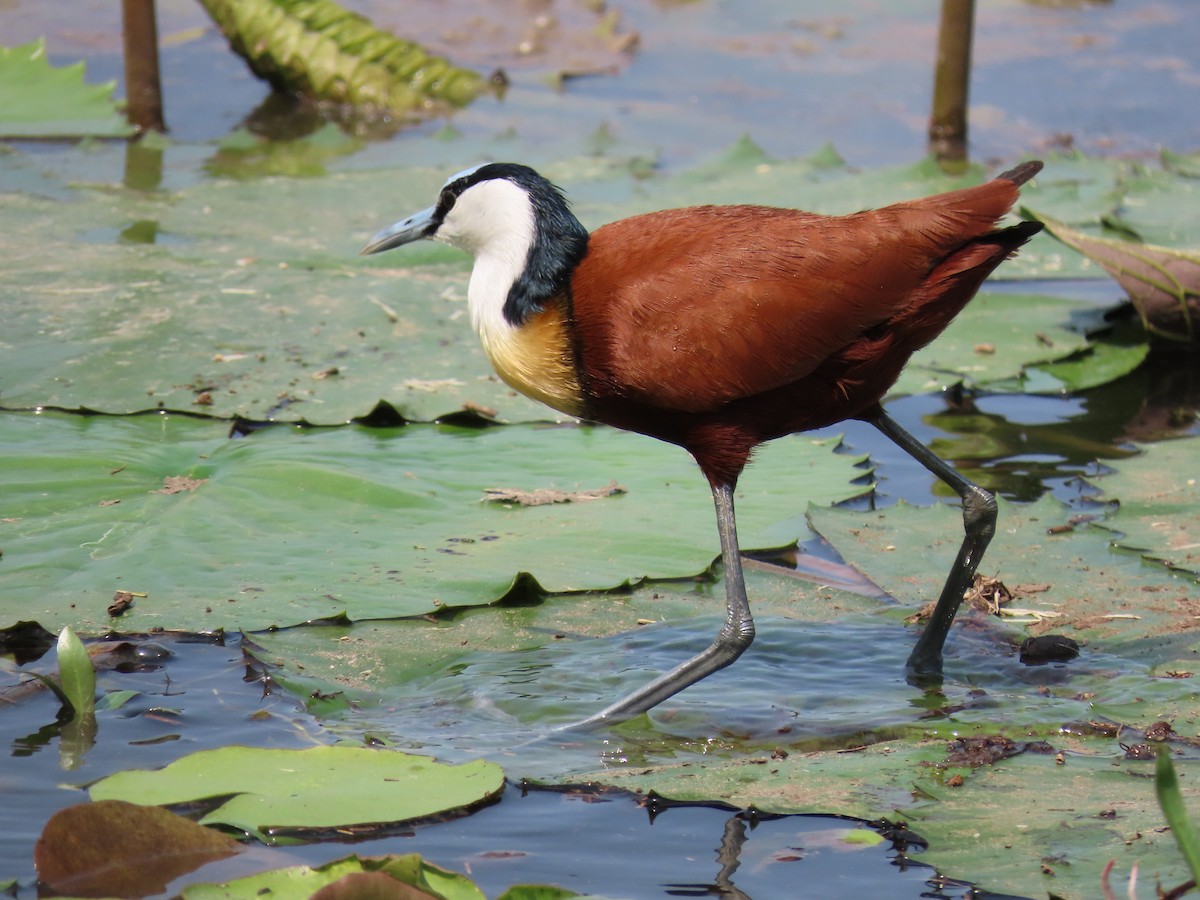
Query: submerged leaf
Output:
(1108,598)
(244,155)
(116,849)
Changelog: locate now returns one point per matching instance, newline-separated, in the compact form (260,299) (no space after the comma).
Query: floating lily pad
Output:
(1158,513)
(252,301)
(1107,358)
(39,100)
(318,788)
(290,525)
(1108,198)
(386,876)
(1184,163)
(1083,588)
(995,342)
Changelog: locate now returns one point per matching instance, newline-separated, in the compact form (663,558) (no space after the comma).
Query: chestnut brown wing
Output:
(690,309)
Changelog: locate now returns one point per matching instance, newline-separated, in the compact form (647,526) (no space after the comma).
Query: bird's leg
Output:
(979,524)
(735,636)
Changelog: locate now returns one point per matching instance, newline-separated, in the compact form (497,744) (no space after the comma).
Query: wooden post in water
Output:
(143,86)
(951,85)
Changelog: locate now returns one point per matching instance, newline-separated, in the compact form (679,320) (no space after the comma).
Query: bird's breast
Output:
(536,358)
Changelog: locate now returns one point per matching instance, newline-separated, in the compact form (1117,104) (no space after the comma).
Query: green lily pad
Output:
(356,877)
(1158,207)
(872,783)
(994,342)
(536,892)
(243,154)
(252,301)
(1158,513)
(41,101)
(291,525)
(1070,580)
(1184,163)
(1107,358)
(318,788)
(1108,198)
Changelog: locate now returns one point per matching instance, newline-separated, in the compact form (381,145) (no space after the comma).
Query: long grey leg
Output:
(735,636)
(979,524)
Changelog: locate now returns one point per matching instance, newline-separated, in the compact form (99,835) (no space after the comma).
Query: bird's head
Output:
(511,219)
(482,205)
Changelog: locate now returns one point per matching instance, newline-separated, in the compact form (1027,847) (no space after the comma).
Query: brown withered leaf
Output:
(122,602)
(116,849)
(178,484)
(987,595)
(1162,282)
(542,496)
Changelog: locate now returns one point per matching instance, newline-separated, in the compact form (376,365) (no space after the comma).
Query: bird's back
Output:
(752,322)
(757,298)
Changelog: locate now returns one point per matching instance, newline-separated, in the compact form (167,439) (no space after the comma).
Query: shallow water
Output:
(194,695)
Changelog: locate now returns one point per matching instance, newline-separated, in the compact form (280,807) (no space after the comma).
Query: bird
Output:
(720,327)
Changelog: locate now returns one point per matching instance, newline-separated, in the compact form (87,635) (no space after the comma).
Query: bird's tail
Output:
(954,282)
(1020,174)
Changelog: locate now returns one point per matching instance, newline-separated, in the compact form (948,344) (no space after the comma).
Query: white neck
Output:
(494,222)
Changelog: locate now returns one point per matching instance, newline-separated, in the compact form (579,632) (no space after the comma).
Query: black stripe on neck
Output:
(559,244)
(559,239)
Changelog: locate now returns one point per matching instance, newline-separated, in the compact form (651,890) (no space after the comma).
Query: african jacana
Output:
(720,327)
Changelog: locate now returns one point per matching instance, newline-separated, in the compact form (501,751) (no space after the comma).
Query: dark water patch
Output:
(617,844)
(188,694)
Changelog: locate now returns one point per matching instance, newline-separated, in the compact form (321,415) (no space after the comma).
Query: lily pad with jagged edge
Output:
(251,300)
(289,525)
(1157,514)
(38,100)
(1065,577)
